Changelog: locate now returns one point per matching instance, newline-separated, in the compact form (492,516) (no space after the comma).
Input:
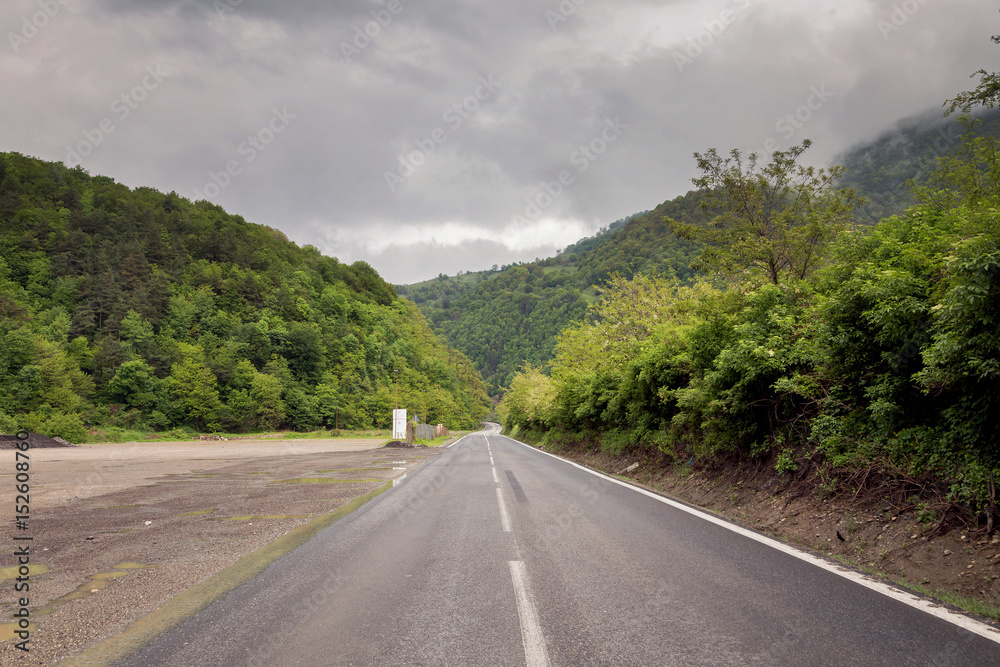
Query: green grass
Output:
(323,434)
(569,270)
(117,435)
(973,605)
(443,440)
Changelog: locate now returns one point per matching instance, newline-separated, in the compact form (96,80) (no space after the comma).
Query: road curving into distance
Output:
(495,553)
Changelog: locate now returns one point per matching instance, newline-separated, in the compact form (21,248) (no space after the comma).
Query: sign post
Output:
(399,424)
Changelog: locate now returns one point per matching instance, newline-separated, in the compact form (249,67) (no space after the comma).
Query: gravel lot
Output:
(123,528)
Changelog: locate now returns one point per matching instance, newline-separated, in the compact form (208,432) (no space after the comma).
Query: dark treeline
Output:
(134,308)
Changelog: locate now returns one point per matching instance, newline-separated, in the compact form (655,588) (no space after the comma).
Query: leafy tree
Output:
(301,408)
(530,399)
(265,393)
(194,387)
(134,385)
(777,219)
(329,401)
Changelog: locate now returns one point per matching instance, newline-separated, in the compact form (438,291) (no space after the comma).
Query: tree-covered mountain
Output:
(881,170)
(511,315)
(502,319)
(132,307)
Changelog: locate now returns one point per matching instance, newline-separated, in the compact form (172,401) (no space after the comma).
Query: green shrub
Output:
(66,426)
(786,462)
(8,425)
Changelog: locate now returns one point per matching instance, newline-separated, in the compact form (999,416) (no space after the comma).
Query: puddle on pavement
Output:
(7,630)
(199,512)
(264,516)
(324,480)
(12,572)
(94,583)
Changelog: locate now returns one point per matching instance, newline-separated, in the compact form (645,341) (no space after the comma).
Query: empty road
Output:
(495,553)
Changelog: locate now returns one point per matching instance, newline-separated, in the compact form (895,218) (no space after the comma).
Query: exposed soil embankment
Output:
(898,542)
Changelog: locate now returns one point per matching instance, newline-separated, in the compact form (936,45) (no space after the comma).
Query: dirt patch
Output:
(120,529)
(900,544)
(399,444)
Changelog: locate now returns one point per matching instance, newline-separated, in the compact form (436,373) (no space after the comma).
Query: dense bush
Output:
(889,357)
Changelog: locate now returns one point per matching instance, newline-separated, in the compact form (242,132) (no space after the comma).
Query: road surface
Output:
(495,553)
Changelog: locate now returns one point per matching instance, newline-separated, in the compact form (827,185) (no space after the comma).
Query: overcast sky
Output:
(437,136)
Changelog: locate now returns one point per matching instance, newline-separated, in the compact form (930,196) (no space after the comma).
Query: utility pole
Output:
(396,371)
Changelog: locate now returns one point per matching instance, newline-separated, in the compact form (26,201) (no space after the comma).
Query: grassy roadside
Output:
(116,435)
(444,440)
(112,435)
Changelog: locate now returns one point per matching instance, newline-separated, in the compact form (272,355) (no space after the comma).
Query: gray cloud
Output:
(291,114)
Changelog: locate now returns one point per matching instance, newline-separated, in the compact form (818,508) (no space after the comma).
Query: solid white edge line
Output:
(469,435)
(460,440)
(535,654)
(504,517)
(911,599)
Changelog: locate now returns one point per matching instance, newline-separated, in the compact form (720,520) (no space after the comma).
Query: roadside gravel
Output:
(150,520)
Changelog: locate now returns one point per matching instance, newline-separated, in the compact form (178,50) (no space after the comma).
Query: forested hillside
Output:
(505,318)
(881,171)
(873,371)
(130,307)
(510,315)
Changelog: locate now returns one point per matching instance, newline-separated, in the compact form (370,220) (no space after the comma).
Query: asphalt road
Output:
(497,554)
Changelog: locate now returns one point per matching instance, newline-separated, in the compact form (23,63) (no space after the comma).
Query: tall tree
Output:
(776,219)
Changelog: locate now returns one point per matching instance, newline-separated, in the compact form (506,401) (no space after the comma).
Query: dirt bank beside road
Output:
(117,530)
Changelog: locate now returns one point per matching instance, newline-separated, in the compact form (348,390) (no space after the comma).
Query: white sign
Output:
(399,424)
